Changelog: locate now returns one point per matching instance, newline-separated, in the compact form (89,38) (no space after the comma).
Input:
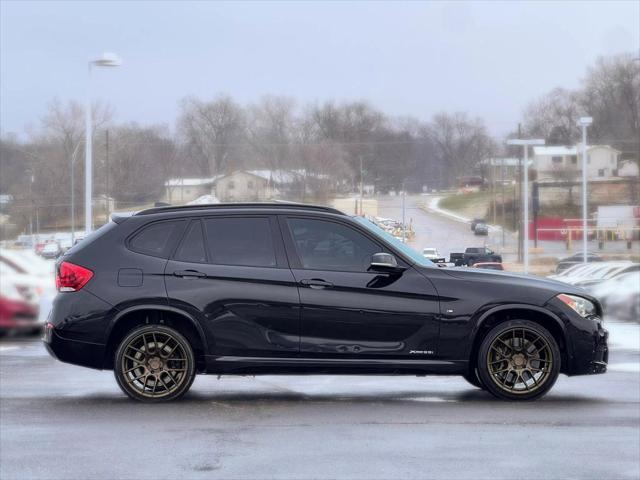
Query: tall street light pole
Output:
(584,122)
(106,60)
(73,194)
(525,194)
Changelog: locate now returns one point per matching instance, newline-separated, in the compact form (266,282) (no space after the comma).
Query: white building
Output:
(561,163)
(237,186)
(184,190)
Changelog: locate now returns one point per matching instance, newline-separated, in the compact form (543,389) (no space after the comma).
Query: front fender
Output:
(483,314)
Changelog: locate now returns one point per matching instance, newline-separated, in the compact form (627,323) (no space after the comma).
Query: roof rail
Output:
(222,206)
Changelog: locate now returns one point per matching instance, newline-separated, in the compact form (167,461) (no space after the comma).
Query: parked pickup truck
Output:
(474,255)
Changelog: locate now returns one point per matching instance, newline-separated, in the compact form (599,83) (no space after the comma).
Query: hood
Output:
(514,286)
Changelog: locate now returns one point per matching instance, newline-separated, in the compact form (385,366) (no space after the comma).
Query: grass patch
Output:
(463,201)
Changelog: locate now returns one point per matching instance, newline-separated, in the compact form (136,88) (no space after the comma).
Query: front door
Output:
(231,273)
(348,311)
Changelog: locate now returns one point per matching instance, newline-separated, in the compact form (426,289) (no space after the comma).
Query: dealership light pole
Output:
(584,122)
(106,60)
(73,193)
(525,193)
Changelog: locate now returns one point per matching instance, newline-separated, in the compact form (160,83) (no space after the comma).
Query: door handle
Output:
(189,273)
(316,283)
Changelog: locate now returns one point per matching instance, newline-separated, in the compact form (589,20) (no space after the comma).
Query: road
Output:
(433,230)
(448,236)
(67,422)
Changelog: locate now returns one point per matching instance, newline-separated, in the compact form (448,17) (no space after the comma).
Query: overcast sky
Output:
(487,58)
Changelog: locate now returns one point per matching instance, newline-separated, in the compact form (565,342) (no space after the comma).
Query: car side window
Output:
(326,245)
(242,241)
(155,239)
(192,247)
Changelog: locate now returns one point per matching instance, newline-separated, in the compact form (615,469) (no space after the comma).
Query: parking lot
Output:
(61,421)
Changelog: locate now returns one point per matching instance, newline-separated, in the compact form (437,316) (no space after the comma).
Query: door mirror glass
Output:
(384,262)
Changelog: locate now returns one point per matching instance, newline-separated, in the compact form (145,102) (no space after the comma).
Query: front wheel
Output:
(518,360)
(154,363)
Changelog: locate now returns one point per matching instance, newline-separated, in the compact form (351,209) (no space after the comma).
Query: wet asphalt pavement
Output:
(61,421)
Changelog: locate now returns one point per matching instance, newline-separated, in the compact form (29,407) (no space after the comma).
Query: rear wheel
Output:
(154,363)
(518,360)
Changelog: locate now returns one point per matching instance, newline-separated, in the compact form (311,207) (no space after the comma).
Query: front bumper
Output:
(600,351)
(587,350)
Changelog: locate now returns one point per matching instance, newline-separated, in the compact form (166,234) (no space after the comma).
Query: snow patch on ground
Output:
(434,206)
(628,367)
(623,336)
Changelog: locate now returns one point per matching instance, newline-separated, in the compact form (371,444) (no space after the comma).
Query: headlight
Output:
(581,306)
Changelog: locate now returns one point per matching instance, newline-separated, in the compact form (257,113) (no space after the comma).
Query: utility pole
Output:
(515,203)
(32,205)
(361,186)
(404,221)
(525,195)
(108,195)
(73,194)
(584,122)
(503,200)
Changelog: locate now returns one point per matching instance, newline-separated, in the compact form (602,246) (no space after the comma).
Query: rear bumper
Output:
(66,350)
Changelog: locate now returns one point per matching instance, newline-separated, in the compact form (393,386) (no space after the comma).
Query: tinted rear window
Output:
(244,241)
(92,237)
(155,239)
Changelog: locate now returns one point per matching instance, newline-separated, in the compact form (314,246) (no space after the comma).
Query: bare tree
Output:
(215,133)
(611,95)
(271,129)
(461,142)
(554,117)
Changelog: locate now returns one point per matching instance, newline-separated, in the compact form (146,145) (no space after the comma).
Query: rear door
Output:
(231,272)
(348,311)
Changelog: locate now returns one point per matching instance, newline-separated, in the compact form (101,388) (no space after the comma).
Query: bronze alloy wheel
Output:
(519,360)
(154,363)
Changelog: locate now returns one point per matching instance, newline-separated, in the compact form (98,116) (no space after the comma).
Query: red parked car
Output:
(16,314)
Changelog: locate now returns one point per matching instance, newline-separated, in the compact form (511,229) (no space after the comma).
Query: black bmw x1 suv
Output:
(163,294)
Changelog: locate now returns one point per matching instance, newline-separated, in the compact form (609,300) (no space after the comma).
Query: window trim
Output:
(292,252)
(173,239)
(185,233)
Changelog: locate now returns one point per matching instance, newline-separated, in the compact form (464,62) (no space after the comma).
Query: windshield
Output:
(415,257)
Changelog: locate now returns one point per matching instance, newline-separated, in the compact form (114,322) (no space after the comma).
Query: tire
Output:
(474,379)
(162,357)
(518,360)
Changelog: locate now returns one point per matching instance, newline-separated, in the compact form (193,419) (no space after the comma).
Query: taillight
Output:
(71,277)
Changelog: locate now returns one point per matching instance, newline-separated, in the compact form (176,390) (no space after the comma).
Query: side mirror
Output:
(384,262)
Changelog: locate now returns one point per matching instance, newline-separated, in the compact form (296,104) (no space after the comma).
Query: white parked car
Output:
(593,271)
(613,272)
(432,254)
(27,262)
(51,250)
(620,296)
(31,287)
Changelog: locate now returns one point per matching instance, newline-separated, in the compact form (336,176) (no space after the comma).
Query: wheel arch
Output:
(503,313)
(142,314)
